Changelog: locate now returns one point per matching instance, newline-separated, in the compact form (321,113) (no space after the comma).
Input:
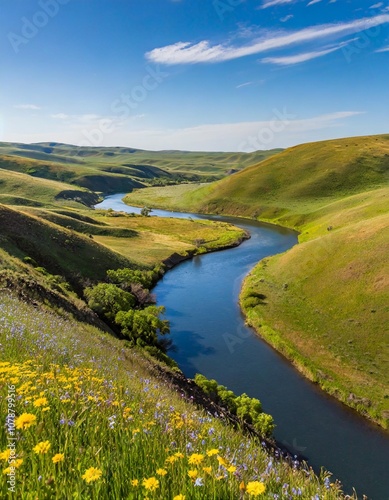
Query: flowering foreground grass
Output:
(84,418)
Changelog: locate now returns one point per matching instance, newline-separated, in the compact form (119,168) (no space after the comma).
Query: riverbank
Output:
(336,335)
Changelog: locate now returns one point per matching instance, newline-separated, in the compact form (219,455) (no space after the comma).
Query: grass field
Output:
(112,170)
(327,299)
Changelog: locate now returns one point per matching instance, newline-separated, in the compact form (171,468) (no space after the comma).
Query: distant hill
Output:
(118,169)
(301,179)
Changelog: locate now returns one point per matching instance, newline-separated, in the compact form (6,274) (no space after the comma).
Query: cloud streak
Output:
(273,3)
(205,52)
(32,107)
(303,57)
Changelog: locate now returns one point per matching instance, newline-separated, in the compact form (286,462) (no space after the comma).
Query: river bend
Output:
(210,337)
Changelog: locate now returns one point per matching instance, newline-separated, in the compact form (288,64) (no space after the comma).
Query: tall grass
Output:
(93,422)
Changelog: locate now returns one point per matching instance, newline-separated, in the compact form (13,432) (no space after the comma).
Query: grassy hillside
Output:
(96,419)
(293,183)
(20,189)
(326,305)
(111,170)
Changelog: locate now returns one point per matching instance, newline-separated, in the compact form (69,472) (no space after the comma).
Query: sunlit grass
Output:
(92,421)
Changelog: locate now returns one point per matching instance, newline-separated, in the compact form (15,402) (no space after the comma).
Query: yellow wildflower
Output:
(92,474)
(4,455)
(212,452)
(25,421)
(151,483)
(196,458)
(179,497)
(161,472)
(59,457)
(171,459)
(193,473)
(42,447)
(178,454)
(222,461)
(231,468)
(255,488)
(208,470)
(40,402)
(135,482)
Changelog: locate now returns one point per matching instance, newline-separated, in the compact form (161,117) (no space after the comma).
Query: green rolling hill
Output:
(110,170)
(327,299)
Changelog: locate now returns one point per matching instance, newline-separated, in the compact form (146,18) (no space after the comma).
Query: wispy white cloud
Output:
(60,116)
(312,2)
(246,84)
(205,52)
(33,107)
(286,18)
(238,136)
(376,5)
(383,49)
(234,136)
(272,3)
(305,56)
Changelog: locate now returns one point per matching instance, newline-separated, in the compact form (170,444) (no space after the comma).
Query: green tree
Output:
(142,327)
(107,300)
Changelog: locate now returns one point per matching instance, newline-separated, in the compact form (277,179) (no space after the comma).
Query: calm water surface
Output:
(210,337)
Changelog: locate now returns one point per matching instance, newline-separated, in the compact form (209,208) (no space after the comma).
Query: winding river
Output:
(210,337)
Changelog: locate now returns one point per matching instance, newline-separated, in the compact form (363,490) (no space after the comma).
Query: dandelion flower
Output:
(212,452)
(4,455)
(59,457)
(231,468)
(15,464)
(135,482)
(196,458)
(193,473)
(92,474)
(222,461)
(179,497)
(161,472)
(40,402)
(255,488)
(25,421)
(42,447)
(151,483)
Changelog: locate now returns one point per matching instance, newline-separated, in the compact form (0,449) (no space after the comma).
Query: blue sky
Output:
(213,75)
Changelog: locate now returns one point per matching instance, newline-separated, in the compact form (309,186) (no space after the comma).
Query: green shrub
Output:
(108,299)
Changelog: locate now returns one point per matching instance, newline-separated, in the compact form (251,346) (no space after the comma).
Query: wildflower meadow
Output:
(85,418)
